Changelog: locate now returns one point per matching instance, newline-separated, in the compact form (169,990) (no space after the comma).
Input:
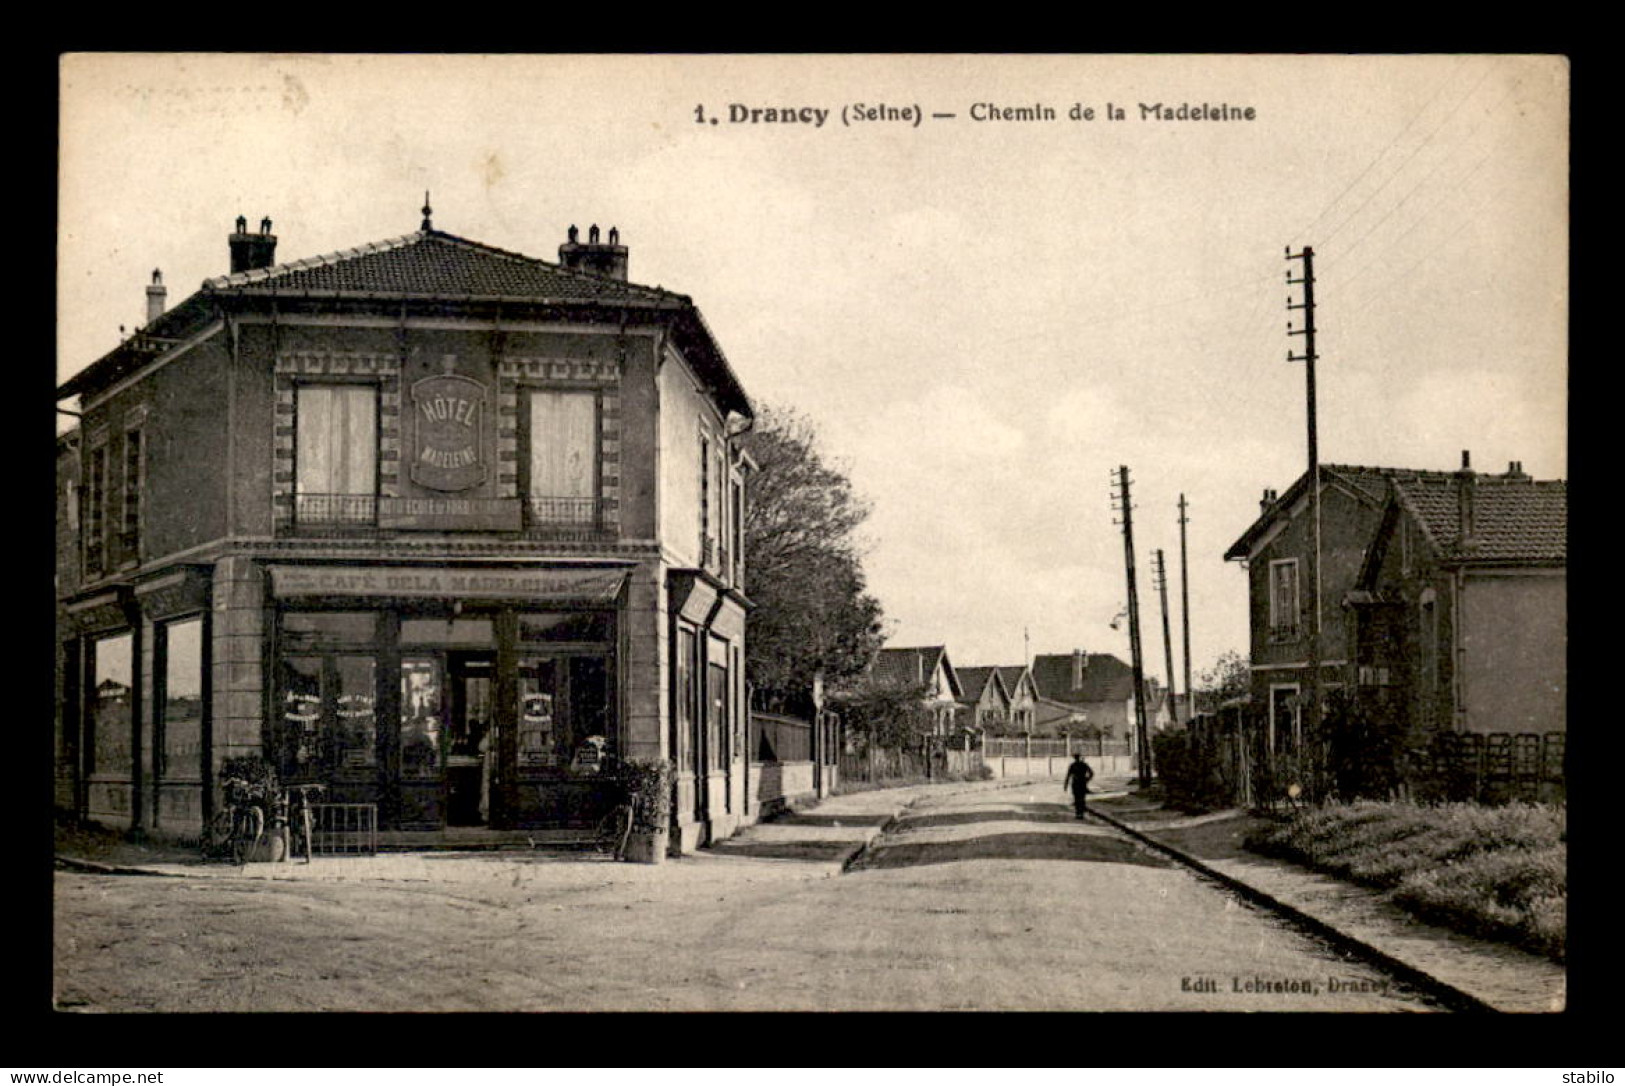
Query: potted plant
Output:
(249,781)
(648,784)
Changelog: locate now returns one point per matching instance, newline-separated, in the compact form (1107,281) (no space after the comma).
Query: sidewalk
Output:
(820,841)
(1494,974)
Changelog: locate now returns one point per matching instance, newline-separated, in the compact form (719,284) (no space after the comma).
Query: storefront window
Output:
(302,713)
(441,631)
(566,626)
(183,700)
(421,691)
(109,704)
(355,713)
(539,738)
(716,720)
(305,628)
(329,714)
(686,700)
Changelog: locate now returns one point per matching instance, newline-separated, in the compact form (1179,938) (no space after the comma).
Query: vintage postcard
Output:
(812,532)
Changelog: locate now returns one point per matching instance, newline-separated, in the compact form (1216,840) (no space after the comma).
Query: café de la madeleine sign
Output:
(578,585)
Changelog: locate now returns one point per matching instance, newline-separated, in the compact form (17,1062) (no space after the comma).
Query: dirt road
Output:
(991,900)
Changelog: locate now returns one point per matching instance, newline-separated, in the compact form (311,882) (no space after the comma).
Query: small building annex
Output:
(449,529)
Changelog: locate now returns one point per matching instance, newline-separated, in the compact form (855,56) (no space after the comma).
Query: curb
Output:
(1452,997)
(94,868)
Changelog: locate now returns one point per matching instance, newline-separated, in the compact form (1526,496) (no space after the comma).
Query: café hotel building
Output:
(448,529)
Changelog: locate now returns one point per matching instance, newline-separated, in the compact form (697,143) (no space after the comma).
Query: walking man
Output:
(1078,776)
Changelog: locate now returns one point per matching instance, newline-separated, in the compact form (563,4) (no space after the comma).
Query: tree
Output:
(804,576)
(1228,678)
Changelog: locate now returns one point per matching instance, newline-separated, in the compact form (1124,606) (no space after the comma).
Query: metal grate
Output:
(344,509)
(345,829)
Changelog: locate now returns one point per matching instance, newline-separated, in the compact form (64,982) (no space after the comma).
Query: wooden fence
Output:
(1027,747)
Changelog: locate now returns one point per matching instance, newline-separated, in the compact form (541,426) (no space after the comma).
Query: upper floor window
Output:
(130,527)
(706,545)
(562,478)
(336,454)
(1284,600)
(95,518)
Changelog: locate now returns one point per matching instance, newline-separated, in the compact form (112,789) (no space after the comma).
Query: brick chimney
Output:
(1466,494)
(157,295)
(608,260)
(1515,471)
(252,251)
(1266,501)
(1080,667)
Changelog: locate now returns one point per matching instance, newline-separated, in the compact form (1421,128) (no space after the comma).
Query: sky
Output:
(983,317)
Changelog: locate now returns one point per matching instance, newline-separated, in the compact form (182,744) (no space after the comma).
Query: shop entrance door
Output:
(471,738)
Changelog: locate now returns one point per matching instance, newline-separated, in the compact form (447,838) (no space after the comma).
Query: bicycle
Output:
(301,820)
(237,828)
(615,827)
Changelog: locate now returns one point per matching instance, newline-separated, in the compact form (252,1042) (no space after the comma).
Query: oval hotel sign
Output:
(449,450)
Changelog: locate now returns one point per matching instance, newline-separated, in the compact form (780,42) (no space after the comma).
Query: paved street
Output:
(988,898)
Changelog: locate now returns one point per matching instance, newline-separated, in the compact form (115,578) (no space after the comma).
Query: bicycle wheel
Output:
(216,839)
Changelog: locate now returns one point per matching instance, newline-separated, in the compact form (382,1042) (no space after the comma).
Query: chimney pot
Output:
(614,235)
(157,296)
(575,234)
(592,234)
(252,251)
(1466,460)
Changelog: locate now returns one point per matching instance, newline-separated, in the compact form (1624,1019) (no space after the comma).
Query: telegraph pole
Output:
(1127,508)
(1185,611)
(1307,281)
(1160,577)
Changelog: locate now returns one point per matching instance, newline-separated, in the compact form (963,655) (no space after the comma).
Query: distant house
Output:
(1083,689)
(985,701)
(928,669)
(1277,552)
(1018,683)
(1459,612)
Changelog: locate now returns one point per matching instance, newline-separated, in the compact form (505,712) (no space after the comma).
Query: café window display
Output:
(328,683)
(503,717)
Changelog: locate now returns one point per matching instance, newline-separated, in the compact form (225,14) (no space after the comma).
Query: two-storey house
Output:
(1278,553)
(1460,610)
(925,669)
(984,703)
(449,529)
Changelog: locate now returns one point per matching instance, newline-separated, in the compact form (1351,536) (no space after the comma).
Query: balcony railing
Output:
(336,510)
(553,518)
(559,518)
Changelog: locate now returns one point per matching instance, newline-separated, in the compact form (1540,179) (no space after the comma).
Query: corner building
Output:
(448,529)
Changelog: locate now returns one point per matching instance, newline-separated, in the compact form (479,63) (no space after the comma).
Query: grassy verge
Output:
(1496,872)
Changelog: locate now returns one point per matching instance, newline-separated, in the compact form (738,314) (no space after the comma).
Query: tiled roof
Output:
(974,680)
(905,667)
(1514,520)
(1011,677)
(1371,483)
(1105,678)
(434,263)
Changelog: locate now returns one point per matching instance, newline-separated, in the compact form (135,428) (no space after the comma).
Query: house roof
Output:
(1366,484)
(912,667)
(435,263)
(1011,677)
(973,681)
(1514,520)
(1105,678)
(428,265)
